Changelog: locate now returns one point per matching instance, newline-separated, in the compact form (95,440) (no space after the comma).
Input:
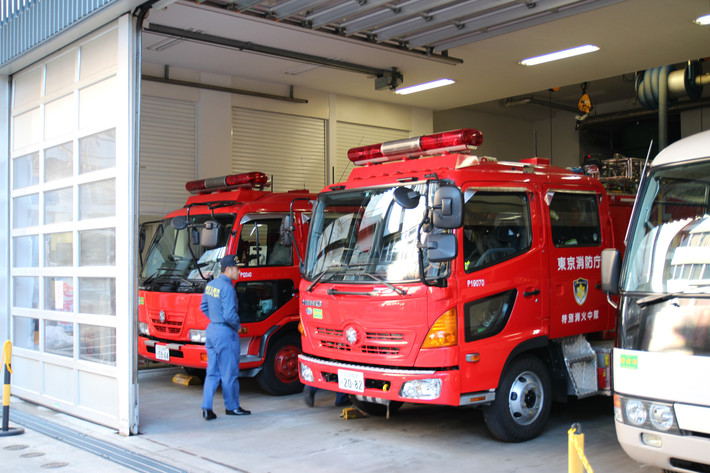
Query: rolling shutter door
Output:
(167,155)
(352,135)
(288,147)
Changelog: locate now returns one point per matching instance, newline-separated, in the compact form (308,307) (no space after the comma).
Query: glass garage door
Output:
(72,187)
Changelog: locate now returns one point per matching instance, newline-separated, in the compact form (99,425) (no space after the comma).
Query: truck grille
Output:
(380,343)
(167,327)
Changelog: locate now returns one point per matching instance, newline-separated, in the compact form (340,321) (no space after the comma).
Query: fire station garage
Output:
(142,140)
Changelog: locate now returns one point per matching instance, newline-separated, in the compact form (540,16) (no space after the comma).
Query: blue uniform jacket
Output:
(219,302)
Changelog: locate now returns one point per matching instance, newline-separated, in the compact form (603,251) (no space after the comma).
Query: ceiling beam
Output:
(268,50)
(387,15)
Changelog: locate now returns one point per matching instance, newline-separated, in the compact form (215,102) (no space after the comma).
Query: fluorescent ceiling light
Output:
(424,86)
(703,20)
(533,61)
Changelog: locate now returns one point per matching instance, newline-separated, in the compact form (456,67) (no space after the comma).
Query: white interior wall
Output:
(503,138)
(214,111)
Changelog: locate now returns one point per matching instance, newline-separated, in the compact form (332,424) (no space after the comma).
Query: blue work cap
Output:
(228,260)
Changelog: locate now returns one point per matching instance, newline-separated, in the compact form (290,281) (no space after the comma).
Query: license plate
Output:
(351,381)
(162,352)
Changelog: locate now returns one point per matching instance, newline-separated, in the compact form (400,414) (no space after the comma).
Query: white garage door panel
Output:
(290,148)
(25,374)
(55,382)
(96,390)
(168,141)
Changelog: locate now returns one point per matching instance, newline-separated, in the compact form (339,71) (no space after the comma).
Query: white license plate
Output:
(162,352)
(351,381)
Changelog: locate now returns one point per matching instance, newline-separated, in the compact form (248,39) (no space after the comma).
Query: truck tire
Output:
(279,375)
(374,409)
(522,403)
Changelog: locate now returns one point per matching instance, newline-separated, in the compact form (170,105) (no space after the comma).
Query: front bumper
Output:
(383,383)
(181,354)
(676,452)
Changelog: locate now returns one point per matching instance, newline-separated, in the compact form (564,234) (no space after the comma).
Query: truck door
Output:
(576,239)
(502,293)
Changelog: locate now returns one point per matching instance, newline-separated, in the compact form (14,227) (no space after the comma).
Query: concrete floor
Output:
(284,435)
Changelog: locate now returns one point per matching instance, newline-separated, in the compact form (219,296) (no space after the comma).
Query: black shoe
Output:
(208,414)
(309,396)
(237,412)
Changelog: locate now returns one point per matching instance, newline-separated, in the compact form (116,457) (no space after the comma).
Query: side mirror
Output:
(611,267)
(406,197)
(179,222)
(286,231)
(211,233)
(441,247)
(448,208)
(141,240)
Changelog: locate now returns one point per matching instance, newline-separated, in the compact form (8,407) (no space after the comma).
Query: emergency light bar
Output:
(448,141)
(249,180)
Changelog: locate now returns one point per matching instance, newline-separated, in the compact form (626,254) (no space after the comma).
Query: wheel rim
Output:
(526,398)
(286,364)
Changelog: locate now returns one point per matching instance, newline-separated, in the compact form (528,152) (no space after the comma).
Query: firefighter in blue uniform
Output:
(219,304)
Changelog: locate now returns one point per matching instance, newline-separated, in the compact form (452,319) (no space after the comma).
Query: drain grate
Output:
(109,451)
(16,447)
(32,455)
(55,465)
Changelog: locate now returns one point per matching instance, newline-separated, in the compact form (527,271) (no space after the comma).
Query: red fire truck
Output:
(435,276)
(226,215)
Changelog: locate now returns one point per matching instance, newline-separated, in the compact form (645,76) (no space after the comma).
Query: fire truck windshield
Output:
(364,236)
(176,262)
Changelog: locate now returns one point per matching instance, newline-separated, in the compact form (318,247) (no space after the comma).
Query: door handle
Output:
(534,292)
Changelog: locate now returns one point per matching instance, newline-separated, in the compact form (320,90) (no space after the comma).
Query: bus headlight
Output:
(661,416)
(645,414)
(197,336)
(636,412)
(143,329)
(421,389)
(306,373)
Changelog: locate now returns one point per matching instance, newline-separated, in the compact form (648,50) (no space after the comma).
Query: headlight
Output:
(306,373)
(421,389)
(635,412)
(197,336)
(646,414)
(143,329)
(661,416)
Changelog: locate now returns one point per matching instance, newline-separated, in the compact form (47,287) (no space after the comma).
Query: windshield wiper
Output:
(396,289)
(340,267)
(150,278)
(658,298)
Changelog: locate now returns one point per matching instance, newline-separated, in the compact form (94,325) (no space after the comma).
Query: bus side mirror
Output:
(448,208)
(286,231)
(611,266)
(211,233)
(441,247)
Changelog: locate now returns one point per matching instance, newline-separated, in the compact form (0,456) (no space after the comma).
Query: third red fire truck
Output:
(226,215)
(435,276)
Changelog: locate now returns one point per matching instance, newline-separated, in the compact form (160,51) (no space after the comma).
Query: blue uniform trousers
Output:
(222,346)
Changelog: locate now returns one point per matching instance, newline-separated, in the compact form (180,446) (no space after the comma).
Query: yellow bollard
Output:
(576,460)
(6,361)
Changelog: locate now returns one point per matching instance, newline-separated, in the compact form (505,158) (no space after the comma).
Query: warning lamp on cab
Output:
(248,180)
(438,143)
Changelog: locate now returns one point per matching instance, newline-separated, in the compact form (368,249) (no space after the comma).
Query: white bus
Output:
(661,366)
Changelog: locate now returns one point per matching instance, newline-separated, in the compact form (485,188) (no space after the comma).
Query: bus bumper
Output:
(675,452)
(426,386)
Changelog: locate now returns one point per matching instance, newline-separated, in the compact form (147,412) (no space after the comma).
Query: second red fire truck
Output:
(226,215)
(435,276)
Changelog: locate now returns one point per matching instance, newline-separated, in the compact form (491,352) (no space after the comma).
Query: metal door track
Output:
(104,449)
